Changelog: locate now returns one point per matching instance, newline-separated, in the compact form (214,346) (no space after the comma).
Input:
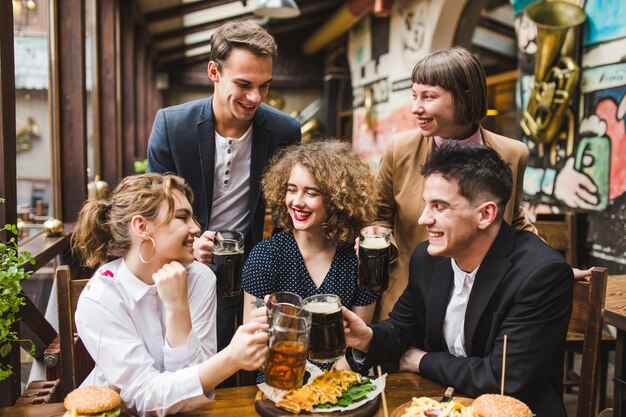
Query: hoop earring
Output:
(153,250)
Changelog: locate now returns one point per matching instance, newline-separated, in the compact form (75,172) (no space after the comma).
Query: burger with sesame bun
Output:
(494,405)
(93,401)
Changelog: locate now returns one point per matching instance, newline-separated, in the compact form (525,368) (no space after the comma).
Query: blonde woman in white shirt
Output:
(149,316)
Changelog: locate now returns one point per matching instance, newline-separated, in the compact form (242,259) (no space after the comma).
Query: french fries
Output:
(449,409)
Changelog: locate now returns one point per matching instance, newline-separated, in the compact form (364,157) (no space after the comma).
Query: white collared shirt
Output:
(121,321)
(454,321)
(231,183)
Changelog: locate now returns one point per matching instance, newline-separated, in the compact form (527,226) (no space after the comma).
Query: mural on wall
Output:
(381,84)
(586,170)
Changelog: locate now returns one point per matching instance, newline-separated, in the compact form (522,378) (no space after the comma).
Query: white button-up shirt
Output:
(230,207)
(454,322)
(121,321)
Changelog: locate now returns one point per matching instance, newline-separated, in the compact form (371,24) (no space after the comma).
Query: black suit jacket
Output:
(182,142)
(523,289)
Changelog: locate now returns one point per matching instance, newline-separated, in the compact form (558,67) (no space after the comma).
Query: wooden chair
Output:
(76,363)
(586,319)
(560,231)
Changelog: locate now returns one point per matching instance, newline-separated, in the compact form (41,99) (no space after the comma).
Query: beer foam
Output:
(370,242)
(322,307)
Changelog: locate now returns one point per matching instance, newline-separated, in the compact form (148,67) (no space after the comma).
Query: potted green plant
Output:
(11,275)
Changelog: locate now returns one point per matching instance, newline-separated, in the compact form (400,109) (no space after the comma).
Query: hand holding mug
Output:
(203,248)
(248,346)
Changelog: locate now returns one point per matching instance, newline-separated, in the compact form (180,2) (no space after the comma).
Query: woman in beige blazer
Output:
(450,100)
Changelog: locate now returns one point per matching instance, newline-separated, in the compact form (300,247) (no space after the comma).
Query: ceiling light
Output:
(277,9)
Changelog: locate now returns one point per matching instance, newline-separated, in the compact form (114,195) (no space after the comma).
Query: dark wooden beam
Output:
(187,30)
(110,141)
(10,388)
(8,186)
(185,61)
(72,105)
(128,103)
(297,24)
(183,9)
(140,94)
(179,50)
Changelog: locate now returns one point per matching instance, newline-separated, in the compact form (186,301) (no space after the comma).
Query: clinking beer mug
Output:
(289,332)
(228,249)
(374,245)
(328,342)
(286,301)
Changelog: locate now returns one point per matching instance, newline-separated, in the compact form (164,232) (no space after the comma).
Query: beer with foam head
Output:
(374,244)
(328,342)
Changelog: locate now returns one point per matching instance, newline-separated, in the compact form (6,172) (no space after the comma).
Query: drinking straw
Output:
(382,393)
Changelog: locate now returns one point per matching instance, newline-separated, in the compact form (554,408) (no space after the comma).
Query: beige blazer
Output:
(401,201)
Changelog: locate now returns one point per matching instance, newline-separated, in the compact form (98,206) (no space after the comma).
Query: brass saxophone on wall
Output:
(556,77)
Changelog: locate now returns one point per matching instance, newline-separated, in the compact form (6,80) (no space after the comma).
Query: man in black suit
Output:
(220,145)
(474,281)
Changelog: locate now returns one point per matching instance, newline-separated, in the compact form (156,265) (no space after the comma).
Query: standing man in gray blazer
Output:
(220,145)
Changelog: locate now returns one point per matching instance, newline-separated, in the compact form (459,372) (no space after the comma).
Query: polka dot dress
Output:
(276,264)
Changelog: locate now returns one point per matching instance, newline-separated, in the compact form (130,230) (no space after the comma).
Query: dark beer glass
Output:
(288,344)
(374,244)
(328,342)
(228,248)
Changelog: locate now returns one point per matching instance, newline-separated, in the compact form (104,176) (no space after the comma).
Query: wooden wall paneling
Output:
(8,186)
(127,43)
(10,387)
(150,95)
(140,95)
(110,142)
(72,104)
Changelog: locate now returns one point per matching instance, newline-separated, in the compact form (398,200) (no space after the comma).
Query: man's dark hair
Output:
(479,170)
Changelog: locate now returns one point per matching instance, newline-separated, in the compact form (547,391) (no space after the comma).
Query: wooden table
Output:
(239,402)
(615,314)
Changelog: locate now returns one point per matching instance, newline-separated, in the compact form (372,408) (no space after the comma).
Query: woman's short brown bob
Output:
(458,71)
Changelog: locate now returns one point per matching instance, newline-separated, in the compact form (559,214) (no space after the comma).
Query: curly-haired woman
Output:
(321,194)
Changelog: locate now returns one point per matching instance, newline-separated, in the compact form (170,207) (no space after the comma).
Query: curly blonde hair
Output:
(346,182)
(102,227)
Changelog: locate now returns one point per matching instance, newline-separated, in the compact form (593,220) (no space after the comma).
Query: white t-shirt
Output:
(121,321)
(231,183)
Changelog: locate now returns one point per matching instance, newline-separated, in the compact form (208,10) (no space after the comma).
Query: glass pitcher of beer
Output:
(374,245)
(228,253)
(288,344)
(328,342)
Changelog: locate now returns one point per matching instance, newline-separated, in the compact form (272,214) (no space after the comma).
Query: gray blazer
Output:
(182,142)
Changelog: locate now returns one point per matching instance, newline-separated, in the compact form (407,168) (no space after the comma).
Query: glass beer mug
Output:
(328,342)
(374,244)
(228,253)
(288,344)
(285,301)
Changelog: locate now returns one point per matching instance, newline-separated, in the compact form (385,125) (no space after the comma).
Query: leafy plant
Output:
(11,275)
(140,166)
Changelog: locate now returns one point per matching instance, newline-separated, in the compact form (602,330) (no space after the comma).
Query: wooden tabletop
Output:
(615,302)
(239,402)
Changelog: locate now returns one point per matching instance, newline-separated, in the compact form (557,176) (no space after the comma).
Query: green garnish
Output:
(355,393)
